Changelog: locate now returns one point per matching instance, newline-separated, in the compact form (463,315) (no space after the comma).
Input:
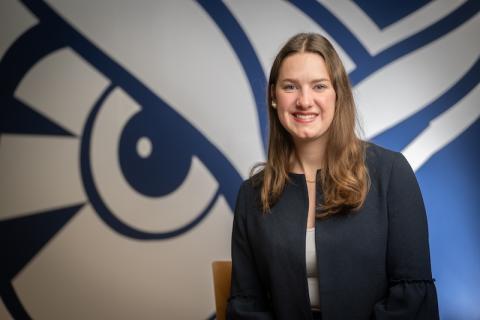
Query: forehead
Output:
(304,65)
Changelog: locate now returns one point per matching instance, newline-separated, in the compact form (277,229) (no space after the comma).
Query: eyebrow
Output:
(313,81)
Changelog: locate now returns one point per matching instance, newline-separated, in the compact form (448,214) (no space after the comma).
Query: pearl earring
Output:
(274,104)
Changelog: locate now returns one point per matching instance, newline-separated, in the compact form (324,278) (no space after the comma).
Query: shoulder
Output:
(384,164)
(376,155)
(253,184)
(249,190)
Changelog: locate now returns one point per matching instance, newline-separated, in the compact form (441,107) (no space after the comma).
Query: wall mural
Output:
(127,127)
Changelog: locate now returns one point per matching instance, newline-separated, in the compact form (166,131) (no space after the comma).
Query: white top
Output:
(312,272)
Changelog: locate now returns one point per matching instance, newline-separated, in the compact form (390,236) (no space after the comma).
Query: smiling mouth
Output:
(304,117)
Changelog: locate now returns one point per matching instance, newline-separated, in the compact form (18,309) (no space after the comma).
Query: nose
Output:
(304,100)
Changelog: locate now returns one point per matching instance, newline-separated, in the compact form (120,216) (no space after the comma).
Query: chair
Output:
(222,273)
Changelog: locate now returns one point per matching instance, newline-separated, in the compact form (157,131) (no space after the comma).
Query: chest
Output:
(359,238)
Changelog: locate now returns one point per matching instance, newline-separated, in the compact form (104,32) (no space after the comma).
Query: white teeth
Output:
(304,116)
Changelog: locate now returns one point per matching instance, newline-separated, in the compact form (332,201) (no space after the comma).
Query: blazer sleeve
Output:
(247,298)
(412,293)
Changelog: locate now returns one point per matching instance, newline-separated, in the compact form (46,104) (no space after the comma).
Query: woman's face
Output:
(305,97)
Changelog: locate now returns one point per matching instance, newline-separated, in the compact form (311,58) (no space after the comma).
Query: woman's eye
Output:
(289,87)
(319,86)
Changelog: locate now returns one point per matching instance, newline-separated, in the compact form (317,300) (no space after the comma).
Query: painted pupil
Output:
(153,159)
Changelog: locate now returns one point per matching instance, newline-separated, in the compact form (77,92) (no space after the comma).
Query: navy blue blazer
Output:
(372,264)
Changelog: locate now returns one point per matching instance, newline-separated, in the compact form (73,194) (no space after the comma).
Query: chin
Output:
(306,137)
(310,136)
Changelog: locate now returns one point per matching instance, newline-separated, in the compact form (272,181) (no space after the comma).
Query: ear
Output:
(272,92)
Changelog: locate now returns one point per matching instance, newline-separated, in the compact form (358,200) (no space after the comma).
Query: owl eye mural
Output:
(126,129)
(146,172)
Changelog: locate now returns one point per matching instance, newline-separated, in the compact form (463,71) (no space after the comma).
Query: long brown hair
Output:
(344,176)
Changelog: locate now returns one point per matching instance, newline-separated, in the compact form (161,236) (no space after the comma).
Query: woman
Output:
(331,227)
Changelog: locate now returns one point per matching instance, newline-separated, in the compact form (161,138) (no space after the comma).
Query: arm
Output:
(412,293)
(247,298)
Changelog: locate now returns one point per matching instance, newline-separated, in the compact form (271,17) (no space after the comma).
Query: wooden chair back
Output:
(222,274)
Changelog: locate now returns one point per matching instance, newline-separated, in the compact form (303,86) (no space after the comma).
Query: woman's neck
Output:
(308,158)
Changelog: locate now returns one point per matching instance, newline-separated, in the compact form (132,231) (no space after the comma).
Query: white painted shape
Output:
(63,87)
(15,19)
(269,24)
(154,214)
(177,51)
(4,314)
(408,84)
(444,129)
(144,147)
(373,38)
(38,173)
(88,271)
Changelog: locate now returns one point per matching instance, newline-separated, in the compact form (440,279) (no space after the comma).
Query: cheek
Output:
(282,116)
(328,102)
(283,107)
(283,100)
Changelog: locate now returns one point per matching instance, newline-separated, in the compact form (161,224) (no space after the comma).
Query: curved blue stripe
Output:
(399,136)
(246,54)
(345,38)
(16,116)
(24,53)
(420,39)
